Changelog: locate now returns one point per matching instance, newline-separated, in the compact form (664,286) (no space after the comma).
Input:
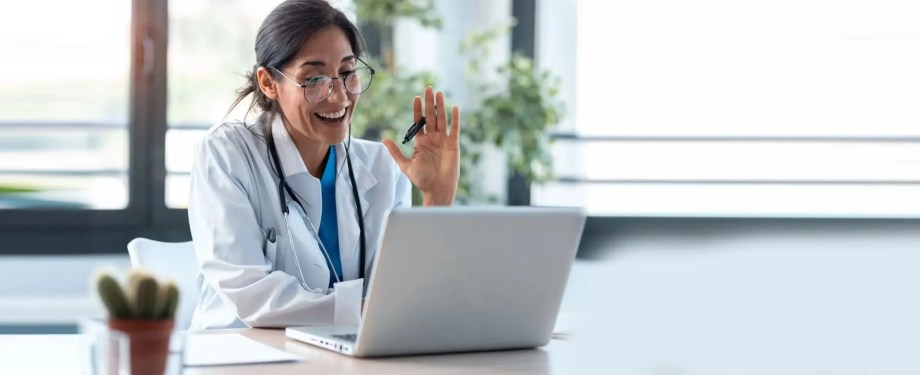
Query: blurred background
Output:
(755,162)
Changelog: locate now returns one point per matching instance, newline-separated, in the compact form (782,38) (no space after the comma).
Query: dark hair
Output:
(281,37)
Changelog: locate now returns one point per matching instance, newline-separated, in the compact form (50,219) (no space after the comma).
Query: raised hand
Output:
(435,164)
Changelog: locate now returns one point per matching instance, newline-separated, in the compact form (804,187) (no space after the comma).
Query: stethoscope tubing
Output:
(283,188)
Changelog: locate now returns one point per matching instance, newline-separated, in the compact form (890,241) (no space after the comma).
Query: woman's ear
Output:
(266,83)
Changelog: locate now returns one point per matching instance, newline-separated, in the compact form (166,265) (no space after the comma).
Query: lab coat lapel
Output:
(291,161)
(349,231)
(307,187)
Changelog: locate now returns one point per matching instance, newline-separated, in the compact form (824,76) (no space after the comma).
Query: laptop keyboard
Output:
(348,337)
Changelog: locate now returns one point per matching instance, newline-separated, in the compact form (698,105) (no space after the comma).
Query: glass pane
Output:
(64,101)
(207,60)
(180,145)
(739,161)
(716,67)
(733,200)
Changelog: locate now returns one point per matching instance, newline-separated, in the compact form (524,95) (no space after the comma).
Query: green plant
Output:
(379,15)
(169,295)
(386,109)
(145,298)
(515,111)
(518,121)
(113,297)
(384,12)
(9,189)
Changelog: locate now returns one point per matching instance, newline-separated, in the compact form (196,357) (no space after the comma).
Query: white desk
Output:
(29,354)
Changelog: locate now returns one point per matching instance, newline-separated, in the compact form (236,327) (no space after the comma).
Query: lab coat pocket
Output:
(270,250)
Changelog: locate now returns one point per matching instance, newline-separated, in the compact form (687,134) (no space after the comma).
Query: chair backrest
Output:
(175,260)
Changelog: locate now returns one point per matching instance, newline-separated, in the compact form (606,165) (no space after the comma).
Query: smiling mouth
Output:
(332,118)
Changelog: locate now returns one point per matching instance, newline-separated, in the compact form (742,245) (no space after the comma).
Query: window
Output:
(64,106)
(98,120)
(211,46)
(726,108)
(82,107)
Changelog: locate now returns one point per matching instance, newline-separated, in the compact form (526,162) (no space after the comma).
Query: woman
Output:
(274,205)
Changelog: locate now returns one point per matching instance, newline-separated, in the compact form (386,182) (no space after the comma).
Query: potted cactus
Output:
(144,311)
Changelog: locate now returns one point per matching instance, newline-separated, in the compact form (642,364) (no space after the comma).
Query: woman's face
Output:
(328,52)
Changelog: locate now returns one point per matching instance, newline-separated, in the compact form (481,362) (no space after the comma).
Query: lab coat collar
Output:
(291,162)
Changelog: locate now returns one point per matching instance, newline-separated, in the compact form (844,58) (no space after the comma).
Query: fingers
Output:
(455,125)
(442,113)
(397,155)
(417,109)
(430,114)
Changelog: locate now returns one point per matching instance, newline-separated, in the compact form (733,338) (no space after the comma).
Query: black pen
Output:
(414,129)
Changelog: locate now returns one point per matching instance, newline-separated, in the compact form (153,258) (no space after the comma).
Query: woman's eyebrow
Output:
(320,63)
(313,63)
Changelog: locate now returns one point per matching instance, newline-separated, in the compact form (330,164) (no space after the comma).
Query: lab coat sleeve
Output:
(228,244)
(403,189)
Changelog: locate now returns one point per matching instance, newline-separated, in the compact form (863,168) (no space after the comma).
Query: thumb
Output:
(397,154)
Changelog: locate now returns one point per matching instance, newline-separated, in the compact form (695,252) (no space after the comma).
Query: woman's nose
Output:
(338,92)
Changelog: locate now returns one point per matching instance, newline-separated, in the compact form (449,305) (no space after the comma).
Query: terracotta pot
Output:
(149,343)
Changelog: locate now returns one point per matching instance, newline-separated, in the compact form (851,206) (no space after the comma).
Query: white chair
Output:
(175,260)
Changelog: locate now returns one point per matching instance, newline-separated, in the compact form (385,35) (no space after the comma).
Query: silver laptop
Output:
(459,279)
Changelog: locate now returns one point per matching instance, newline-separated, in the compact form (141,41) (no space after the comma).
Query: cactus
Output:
(145,291)
(145,298)
(113,296)
(136,276)
(169,300)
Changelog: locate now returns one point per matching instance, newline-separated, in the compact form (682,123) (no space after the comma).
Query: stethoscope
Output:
(284,187)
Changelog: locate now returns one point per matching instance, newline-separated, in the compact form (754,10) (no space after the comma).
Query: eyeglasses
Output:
(318,88)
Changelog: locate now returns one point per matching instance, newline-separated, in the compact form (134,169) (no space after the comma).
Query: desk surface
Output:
(30,353)
(535,361)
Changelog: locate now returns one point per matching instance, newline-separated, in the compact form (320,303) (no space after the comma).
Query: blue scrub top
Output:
(329,227)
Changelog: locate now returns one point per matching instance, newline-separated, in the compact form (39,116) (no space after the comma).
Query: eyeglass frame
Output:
(332,87)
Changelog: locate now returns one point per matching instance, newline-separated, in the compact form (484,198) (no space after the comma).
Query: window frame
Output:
(523,41)
(79,231)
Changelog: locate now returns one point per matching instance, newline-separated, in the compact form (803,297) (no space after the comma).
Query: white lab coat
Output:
(246,280)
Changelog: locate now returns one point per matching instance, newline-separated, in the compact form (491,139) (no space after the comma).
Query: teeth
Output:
(332,115)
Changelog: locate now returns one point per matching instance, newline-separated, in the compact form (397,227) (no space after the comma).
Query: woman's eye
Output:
(314,80)
(347,72)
